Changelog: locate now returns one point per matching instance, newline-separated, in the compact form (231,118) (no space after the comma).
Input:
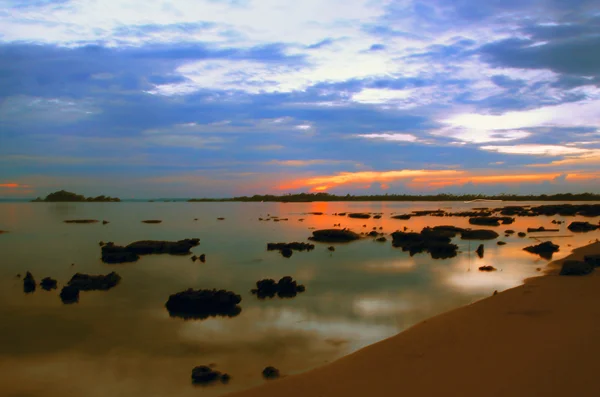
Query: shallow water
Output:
(122,342)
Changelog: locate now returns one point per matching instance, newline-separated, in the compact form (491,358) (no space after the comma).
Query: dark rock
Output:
(331,248)
(376,216)
(204,375)
(334,236)
(359,215)
(429,212)
(201,304)
(402,216)
(86,282)
(381,239)
(202,258)
(522,234)
(540,229)
(373,233)
(429,240)
(221,219)
(480,250)
(582,227)
(48,283)
(509,231)
(81,221)
(487,268)
(29,283)
(116,254)
(101,243)
(491,220)
(296,246)
(270,373)
(449,231)
(575,268)
(593,260)
(194,258)
(69,294)
(152,221)
(501,243)
(545,250)
(286,287)
(320,213)
(286,252)
(478,234)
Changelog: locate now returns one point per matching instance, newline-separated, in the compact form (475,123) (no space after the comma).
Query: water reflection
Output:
(124,341)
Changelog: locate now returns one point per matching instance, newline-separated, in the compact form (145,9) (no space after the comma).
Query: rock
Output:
(202,258)
(491,220)
(487,268)
(522,234)
(320,213)
(334,236)
(540,229)
(434,242)
(593,260)
(86,282)
(101,243)
(402,217)
(509,231)
(105,222)
(376,216)
(221,219)
(501,243)
(270,373)
(81,221)
(29,283)
(449,231)
(582,227)
(480,250)
(359,215)
(152,221)
(286,287)
(194,258)
(204,303)
(204,375)
(48,283)
(575,268)
(545,250)
(286,252)
(373,234)
(331,248)
(495,292)
(478,234)
(69,294)
(381,239)
(296,246)
(117,254)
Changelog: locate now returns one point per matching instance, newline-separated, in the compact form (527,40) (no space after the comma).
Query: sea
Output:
(122,342)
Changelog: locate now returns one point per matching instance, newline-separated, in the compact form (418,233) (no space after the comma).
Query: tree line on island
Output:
(65,196)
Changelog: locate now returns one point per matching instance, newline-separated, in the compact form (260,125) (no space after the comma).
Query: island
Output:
(64,196)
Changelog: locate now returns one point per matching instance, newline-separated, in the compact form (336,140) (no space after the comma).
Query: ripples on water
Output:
(123,342)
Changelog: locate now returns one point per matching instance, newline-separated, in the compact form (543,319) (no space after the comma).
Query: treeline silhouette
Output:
(309,197)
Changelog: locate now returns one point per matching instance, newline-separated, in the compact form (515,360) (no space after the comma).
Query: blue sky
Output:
(213,98)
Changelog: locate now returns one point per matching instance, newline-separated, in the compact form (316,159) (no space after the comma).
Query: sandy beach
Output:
(538,339)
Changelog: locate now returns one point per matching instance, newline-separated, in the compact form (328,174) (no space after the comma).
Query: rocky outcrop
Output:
(204,375)
(545,250)
(286,287)
(478,234)
(29,283)
(576,268)
(117,254)
(582,227)
(204,303)
(334,236)
(491,220)
(436,243)
(270,373)
(48,283)
(87,282)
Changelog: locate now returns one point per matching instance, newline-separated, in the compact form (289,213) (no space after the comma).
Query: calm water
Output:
(122,342)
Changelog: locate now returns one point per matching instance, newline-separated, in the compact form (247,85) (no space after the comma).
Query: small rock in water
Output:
(501,243)
(331,248)
(29,283)
(194,258)
(487,268)
(69,294)
(270,373)
(48,283)
(480,250)
(495,292)
(204,375)
(202,258)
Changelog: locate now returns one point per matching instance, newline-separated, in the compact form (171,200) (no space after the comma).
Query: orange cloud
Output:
(13,185)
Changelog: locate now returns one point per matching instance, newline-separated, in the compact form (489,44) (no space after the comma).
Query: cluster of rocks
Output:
(203,303)
(286,287)
(545,249)
(201,258)
(79,282)
(112,253)
(590,210)
(205,375)
(434,241)
(286,249)
(582,227)
(334,236)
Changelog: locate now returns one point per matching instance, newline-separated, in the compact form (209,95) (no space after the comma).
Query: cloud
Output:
(536,150)
(390,136)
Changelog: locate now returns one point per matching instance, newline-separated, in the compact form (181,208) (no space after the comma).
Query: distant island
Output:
(310,197)
(64,196)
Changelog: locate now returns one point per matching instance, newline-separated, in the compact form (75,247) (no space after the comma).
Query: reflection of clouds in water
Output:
(387,265)
(381,306)
(481,282)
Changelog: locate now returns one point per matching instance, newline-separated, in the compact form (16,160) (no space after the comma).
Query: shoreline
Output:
(536,339)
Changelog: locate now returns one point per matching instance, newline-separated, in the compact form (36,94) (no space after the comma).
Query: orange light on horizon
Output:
(11,185)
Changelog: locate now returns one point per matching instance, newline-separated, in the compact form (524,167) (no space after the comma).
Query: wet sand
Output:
(538,339)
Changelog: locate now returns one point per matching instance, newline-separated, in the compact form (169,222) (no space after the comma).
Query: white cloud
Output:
(390,136)
(536,150)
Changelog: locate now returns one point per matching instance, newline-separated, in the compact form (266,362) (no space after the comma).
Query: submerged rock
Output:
(48,283)
(152,221)
(491,220)
(29,283)
(286,287)
(69,294)
(582,227)
(81,221)
(545,250)
(117,254)
(359,215)
(286,248)
(522,234)
(204,375)
(576,268)
(487,268)
(87,282)
(478,234)
(204,303)
(334,236)
(270,373)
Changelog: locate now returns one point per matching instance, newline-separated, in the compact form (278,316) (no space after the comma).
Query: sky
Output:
(220,98)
